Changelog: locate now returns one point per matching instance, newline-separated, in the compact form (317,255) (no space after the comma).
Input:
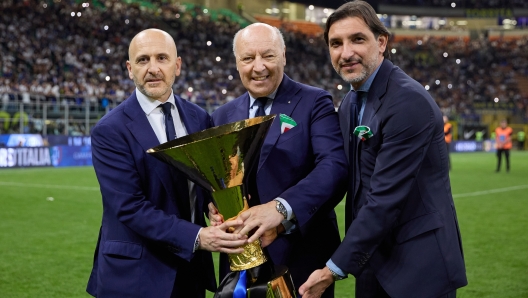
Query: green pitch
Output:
(49,220)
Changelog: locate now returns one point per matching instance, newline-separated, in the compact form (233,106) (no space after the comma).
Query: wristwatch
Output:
(336,276)
(281,209)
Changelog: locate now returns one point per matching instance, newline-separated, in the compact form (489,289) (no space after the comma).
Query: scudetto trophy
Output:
(217,159)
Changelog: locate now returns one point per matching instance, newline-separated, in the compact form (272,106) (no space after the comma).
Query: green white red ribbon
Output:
(363,132)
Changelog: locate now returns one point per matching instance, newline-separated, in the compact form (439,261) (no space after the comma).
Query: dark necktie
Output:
(261,103)
(169,123)
(352,157)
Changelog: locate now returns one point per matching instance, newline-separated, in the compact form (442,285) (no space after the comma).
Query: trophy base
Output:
(264,281)
(279,286)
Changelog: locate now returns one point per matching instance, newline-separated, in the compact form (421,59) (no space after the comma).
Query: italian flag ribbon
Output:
(363,132)
(287,123)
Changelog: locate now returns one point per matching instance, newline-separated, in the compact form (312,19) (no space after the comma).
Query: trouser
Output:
(368,286)
(499,158)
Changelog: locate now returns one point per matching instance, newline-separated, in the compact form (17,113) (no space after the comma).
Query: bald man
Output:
(153,241)
(301,174)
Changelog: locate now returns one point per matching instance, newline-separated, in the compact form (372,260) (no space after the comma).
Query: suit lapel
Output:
(376,92)
(140,128)
(344,123)
(284,103)
(374,100)
(187,116)
(241,111)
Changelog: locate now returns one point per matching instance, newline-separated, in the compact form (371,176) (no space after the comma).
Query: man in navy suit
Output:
(301,174)
(153,241)
(402,236)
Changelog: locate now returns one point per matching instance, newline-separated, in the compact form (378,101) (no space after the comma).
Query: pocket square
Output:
(287,123)
(363,132)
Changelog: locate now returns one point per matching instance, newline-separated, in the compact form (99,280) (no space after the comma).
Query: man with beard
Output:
(402,236)
(153,241)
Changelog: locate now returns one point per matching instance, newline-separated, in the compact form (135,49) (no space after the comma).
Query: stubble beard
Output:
(152,94)
(366,70)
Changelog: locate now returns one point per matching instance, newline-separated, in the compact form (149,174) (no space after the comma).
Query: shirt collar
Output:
(271,96)
(366,86)
(149,105)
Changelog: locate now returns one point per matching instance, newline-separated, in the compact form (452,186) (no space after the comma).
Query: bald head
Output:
(153,63)
(149,36)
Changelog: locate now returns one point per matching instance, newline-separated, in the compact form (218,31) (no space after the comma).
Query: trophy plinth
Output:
(217,159)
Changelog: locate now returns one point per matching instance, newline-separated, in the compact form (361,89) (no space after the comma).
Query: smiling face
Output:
(153,63)
(354,50)
(260,59)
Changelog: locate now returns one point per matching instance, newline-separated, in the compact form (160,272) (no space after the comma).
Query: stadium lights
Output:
(457,61)
(177,15)
(205,10)
(496,99)
(437,82)
(393,51)
(325,10)
(419,42)
(190,89)
(218,58)
(108,51)
(209,43)
(127,21)
(445,54)
(72,14)
(449,86)
(224,91)
(107,78)
(230,77)
(453,4)
(210,72)
(427,87)
(311,7)
(106,27)
(79,14)
(45,5)
(339,87)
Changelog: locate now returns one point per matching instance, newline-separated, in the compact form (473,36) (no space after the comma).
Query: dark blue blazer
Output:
(143,243)
(401,218)
(306,166)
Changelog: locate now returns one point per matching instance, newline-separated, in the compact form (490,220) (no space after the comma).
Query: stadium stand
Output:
(65,60)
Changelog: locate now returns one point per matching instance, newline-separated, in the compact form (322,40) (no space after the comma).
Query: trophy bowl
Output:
(218,159)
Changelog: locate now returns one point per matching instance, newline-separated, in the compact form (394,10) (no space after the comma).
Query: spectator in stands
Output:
(503,143)
(402,235)
(301,174)
(153,241)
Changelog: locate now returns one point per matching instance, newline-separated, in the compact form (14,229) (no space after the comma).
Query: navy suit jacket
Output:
(306,166)
(401,218)
(143,242)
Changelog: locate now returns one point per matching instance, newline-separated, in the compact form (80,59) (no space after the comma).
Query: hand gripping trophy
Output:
(217,159)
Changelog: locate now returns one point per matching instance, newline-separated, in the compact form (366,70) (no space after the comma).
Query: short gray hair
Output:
(275,30)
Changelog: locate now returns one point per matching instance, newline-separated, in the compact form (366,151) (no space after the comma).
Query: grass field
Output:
(46,245)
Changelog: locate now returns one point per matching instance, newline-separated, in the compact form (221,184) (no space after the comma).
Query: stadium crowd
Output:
(68,53)
(460,3)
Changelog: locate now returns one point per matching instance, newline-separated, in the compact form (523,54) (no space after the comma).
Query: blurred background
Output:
(62,67)
(62,64)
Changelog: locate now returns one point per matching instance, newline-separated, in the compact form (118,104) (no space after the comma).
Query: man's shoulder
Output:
(222,110)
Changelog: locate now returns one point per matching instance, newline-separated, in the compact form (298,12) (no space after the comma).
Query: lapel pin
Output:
(363,132)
